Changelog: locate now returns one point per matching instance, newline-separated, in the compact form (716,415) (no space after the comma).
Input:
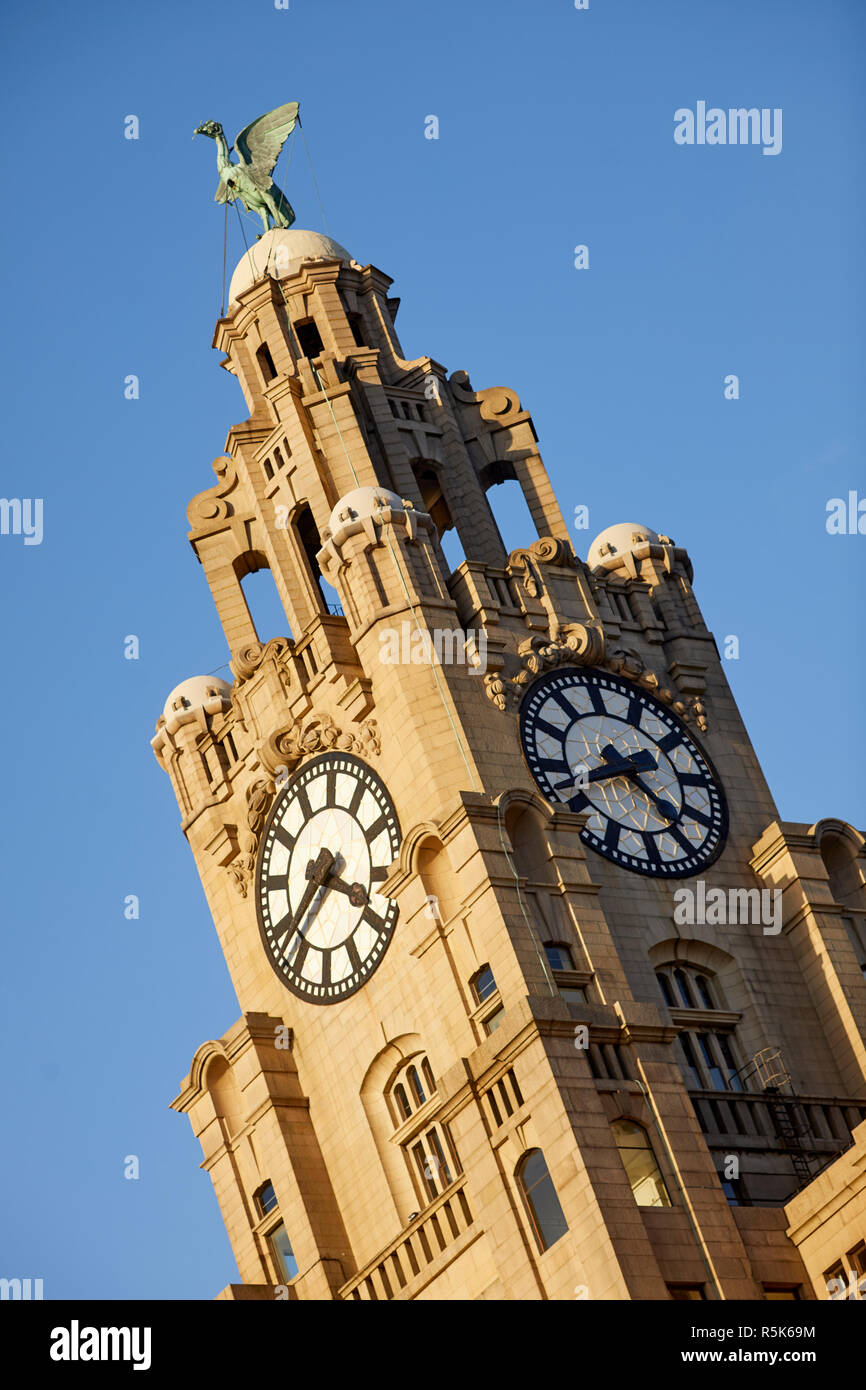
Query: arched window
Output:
(639,1161)
(708,1050)
(427,1145)
(558,955)
(542,1204)
(483,984)
(683,989)
(415,1086)
(403,1107)
(409,1092)
(485,988)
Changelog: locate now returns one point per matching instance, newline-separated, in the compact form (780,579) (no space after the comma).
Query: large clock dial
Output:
(325,851)
(602,745)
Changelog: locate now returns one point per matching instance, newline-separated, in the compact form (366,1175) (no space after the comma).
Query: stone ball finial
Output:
(615,541)
(195,697)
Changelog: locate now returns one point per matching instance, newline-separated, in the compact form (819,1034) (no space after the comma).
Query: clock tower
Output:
(540,998)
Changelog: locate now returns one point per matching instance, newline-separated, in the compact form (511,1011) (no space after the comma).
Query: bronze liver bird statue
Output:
(258,146)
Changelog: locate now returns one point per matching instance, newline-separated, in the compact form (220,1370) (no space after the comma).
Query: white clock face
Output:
(325,852)
(600,744)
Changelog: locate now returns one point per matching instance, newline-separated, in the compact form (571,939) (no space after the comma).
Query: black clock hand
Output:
(317,872)
(666,809)
(356,892)
(641,761)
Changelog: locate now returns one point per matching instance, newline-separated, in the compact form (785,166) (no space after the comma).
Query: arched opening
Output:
(308,535)
(531,854)
(840,852)
(225,1094)
(261,596)
(434,502)
(509,506)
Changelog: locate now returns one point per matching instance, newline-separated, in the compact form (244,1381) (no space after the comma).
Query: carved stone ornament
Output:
(248,660)
(287,747)
(624,661)
(259,795)
(547,551)
(584,646)
(211,506)
(576,645)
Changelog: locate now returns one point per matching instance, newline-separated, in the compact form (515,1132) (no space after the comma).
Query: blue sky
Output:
(556,129)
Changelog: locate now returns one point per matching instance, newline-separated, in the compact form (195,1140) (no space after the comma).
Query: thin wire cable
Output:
(225,249)
(313,174)
(513,867)
(699,1241)
(412,607)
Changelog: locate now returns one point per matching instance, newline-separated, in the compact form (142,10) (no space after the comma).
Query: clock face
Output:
(325,851)
(600,744)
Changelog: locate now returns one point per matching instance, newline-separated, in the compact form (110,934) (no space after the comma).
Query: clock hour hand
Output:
(355,892)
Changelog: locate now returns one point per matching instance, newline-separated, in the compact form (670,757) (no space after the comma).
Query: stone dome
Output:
(280,252)
(617,540)
(363,501)
(207,694)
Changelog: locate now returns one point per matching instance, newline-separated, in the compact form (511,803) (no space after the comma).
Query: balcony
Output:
(821,1127)
(432,1241)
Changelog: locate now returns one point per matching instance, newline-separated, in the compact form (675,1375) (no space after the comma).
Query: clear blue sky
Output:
(556,128)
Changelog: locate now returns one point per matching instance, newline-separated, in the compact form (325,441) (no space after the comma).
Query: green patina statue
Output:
(258,145)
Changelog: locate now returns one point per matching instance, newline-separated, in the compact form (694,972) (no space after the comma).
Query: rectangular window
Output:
(309,339)
(281,1250)
(687,1293)
(492,1022)
(785,1292)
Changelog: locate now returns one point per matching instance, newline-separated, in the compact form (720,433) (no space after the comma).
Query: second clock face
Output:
(325,851)
(600,744)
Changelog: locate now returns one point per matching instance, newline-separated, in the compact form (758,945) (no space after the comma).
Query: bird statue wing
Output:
(223,195)
(260,142)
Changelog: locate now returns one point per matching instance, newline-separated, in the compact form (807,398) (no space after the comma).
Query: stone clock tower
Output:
(540,998)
